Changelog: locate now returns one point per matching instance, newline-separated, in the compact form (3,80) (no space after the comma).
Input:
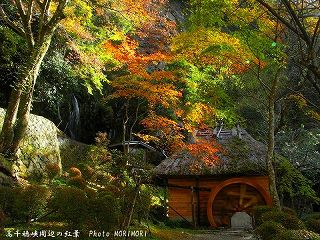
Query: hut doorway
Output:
(234,196)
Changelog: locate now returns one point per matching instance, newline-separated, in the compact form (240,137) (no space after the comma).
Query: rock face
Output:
(44,143)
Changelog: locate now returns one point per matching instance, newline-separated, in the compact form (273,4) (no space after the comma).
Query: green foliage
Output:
(71,204)
(104,211)
(31,201)
(6,199)
(2,220)
(96,210)
(24,203)
(268,230)
(287,220)
(312,222)
(10,48)
(301,147)
(297,235)
(12,51)
(258,211)
(292,183)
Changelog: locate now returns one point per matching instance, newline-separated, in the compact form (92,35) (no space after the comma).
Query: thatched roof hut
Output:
(212,193)
(239,156)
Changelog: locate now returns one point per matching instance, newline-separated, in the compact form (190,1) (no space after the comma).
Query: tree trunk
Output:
(17,114)
(7,132)
(271,143)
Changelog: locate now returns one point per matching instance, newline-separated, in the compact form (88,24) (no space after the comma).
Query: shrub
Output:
(24,203)
(313,225)
(6,199)
(53,170)
(75,172)
(86,170)
(104,211)
(77,181)
(258,211)
(312,222)
(289,211)
(268,230)
(287,220)
(71,203)
(297,235)
(2,220)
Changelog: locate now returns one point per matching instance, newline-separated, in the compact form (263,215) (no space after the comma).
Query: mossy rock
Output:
(39,147)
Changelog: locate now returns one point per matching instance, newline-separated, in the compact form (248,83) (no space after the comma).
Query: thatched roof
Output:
(240,156)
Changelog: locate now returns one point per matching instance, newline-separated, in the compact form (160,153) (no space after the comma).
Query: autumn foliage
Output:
(205,150)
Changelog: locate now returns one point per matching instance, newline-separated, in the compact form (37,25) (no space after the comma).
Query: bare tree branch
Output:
(315,33)
(295,18)
(281,19)
(12,25)
(57,16)
(44,6)
(28,18)
(20,8)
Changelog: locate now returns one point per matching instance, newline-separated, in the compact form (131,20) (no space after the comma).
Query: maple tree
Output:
(145,79)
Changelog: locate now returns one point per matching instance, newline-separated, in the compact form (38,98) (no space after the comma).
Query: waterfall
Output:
(74,118)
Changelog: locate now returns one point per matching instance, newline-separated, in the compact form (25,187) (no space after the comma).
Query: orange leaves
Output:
(154,86)
(167,130)
(155,122)
(207,151)
(127,53)
(154,92)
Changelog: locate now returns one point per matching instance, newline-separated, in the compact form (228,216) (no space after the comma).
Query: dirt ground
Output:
(222,235)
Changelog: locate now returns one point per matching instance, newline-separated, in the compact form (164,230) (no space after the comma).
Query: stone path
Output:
(221,235)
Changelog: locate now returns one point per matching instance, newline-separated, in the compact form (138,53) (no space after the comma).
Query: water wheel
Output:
(234,196)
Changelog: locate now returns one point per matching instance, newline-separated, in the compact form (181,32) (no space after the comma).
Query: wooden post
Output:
(198,201)
(192,207)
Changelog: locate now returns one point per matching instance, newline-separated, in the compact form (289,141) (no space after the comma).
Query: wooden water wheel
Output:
(234,195)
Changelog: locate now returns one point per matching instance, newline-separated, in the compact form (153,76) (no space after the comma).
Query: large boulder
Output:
(43,144)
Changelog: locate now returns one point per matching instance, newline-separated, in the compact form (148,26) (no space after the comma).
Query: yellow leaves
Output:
(197,115)
(79,14)
(134,10)
(147,138)
(211,47)
(303,104)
